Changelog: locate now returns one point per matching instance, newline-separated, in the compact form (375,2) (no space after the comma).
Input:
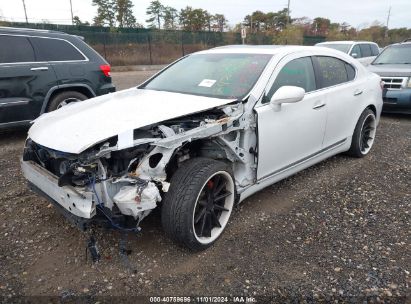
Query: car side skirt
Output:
(338,147)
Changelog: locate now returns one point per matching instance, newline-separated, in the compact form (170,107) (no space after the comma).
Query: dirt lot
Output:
(338,229)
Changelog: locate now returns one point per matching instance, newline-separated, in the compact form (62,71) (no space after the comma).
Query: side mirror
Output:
(354,55)
(286,94)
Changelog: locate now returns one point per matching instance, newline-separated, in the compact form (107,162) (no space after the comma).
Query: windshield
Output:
(212,75)
(339,47)
(395,54)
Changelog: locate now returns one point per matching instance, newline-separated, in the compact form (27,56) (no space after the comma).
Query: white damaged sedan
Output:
(200,136)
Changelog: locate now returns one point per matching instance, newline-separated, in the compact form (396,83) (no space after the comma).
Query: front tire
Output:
(364,134)
(198,205)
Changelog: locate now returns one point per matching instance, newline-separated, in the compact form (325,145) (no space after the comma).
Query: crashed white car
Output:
(200,136)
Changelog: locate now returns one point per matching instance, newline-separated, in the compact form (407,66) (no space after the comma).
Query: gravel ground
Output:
(340,229)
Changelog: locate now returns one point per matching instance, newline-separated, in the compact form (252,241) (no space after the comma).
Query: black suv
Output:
(41,71)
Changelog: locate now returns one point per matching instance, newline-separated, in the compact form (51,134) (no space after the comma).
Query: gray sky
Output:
(356,12)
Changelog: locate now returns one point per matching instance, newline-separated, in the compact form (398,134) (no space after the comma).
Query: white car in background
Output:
(364,51)
(200,136)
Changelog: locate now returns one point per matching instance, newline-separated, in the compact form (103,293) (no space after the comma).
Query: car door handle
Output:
(319,106)
(39,69)
(358,92)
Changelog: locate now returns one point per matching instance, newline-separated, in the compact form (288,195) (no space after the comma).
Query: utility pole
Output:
(25,12)
(71,8)
(388,21)
(288,13)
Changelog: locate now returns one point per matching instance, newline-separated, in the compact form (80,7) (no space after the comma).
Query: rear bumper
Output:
(397,101)
(105,89)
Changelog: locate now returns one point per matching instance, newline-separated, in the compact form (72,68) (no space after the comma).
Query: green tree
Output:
(77,21)
(155,12)
(106,12)
(195,19)
(292,34)
(124,13)
(220,22)
(321,26)
(170,16)
(259,21)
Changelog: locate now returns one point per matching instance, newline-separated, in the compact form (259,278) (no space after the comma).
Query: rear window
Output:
(55,50)
(15,49)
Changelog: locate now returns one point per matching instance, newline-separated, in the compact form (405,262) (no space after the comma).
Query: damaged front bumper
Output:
(76,201)
(77,207)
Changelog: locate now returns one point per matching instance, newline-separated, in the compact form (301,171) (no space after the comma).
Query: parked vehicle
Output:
(201,135)
(394,67)
(41,71)
(364,51)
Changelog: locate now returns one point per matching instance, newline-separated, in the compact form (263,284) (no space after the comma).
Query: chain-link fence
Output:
(149,46)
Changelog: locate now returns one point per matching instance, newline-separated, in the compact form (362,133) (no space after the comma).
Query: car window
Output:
(356,50)
(213,75)
(298,72)
(350,71)
(365,50)
(15,49)
(395,54)
(331,70)
(55,50)
(374,49)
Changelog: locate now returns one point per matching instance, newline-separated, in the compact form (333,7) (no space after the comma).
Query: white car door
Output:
(343,93)
(296,131)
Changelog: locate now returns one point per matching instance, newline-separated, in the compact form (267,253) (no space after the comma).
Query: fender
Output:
(63,86)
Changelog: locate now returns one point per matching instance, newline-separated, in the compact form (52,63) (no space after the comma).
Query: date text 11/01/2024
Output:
(235,299)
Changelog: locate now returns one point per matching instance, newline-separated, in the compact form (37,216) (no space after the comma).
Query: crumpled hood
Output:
(391,70)
(76,127)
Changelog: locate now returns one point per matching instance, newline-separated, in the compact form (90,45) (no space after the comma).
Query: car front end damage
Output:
(116,185)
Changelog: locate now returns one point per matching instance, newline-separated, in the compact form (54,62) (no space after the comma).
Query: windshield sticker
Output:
(208,83)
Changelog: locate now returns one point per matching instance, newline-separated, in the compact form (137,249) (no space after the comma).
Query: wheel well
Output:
(193,149)
(82,90)
(373,108)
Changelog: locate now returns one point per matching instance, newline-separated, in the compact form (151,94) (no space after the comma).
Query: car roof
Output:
(32,32)
(345,42)
(260,49)
(401,43)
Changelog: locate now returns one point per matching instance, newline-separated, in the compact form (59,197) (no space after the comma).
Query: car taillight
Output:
(106,69)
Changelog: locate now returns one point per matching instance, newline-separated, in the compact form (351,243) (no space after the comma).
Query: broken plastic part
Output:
(134,200)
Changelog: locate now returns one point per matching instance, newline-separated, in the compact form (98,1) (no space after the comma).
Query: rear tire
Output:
(64,98)
(198,205)
(364,134)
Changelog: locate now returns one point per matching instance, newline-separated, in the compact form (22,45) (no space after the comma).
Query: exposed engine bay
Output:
(122,183)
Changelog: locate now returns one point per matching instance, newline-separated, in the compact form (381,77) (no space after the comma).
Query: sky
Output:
(357,13)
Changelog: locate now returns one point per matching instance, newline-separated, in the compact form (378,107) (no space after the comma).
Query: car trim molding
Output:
(303,160)
(13,103)
(11,124)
